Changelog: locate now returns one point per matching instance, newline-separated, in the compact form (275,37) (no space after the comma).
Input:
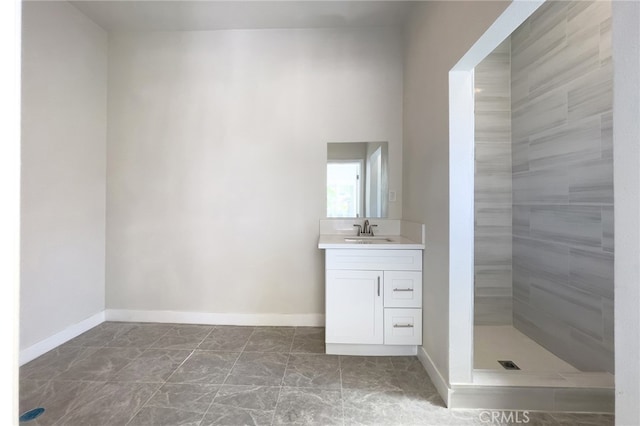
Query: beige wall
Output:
(437,36)
(217,161)
(64,79)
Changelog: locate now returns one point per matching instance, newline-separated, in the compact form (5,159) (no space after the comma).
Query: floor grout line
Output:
(160,387)
(275,408)
(227,376)
(177,368)
(145,403)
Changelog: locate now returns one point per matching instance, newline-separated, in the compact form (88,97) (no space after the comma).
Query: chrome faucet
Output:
(365,229)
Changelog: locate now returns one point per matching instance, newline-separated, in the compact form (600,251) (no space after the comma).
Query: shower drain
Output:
(509,365)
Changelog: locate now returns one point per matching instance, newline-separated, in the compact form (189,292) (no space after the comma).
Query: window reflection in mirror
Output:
(357,179)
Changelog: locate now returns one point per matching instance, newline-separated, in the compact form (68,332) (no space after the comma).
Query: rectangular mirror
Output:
(357,179)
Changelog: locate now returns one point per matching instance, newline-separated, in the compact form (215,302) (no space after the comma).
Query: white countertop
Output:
(397,242)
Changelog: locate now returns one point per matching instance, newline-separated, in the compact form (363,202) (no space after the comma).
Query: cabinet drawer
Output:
(374,260)
(402,326)
(402,289)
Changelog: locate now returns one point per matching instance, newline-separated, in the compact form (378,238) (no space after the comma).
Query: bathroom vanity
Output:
(373,294)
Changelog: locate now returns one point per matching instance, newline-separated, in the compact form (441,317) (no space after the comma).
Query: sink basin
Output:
(367,240)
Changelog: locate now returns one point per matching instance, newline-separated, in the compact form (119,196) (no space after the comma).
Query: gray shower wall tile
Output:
(494,103)
(520,35)
(580,55)
(500,55)
(566,144)
(503,48)
(583,352)
(493,218)
(520,289)
(493,158)
(587,13)
(592,271)
(493,126)
(541,187)
(605,41)
(606,132)
(491,290)
(539,114)
(541,260)
(545,330)
(492,76)
(493,188)
(519,92)
(537,45)
(494,279)
(493,310)
(520,155)
(493,90)
(562,169)
(592,94)
(580,310)
(590,354)
(549,16)
(493,250)
(592,182)
(573,225)
(607,320)
(520,220)
(608,229)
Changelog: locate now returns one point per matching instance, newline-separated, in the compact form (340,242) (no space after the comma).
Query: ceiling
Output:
(183,15)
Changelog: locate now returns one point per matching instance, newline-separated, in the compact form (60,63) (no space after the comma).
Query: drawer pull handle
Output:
(378,286)
(402,289)
(402,325)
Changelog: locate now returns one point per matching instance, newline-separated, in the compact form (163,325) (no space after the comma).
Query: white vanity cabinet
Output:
(373,301)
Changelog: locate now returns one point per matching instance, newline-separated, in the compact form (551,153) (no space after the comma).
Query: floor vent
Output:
(509,365)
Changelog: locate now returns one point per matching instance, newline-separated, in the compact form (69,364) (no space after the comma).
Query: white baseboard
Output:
(292,320)
(438,381)
(44,346)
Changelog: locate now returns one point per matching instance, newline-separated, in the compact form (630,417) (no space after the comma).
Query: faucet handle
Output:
(371,229)
(359,228)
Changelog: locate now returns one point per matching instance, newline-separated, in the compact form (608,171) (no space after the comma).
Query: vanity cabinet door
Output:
(354,308)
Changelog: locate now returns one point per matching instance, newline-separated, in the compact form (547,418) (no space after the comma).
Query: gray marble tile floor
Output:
(171,375)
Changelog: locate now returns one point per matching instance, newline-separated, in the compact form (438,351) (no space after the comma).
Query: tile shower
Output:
(544,184)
